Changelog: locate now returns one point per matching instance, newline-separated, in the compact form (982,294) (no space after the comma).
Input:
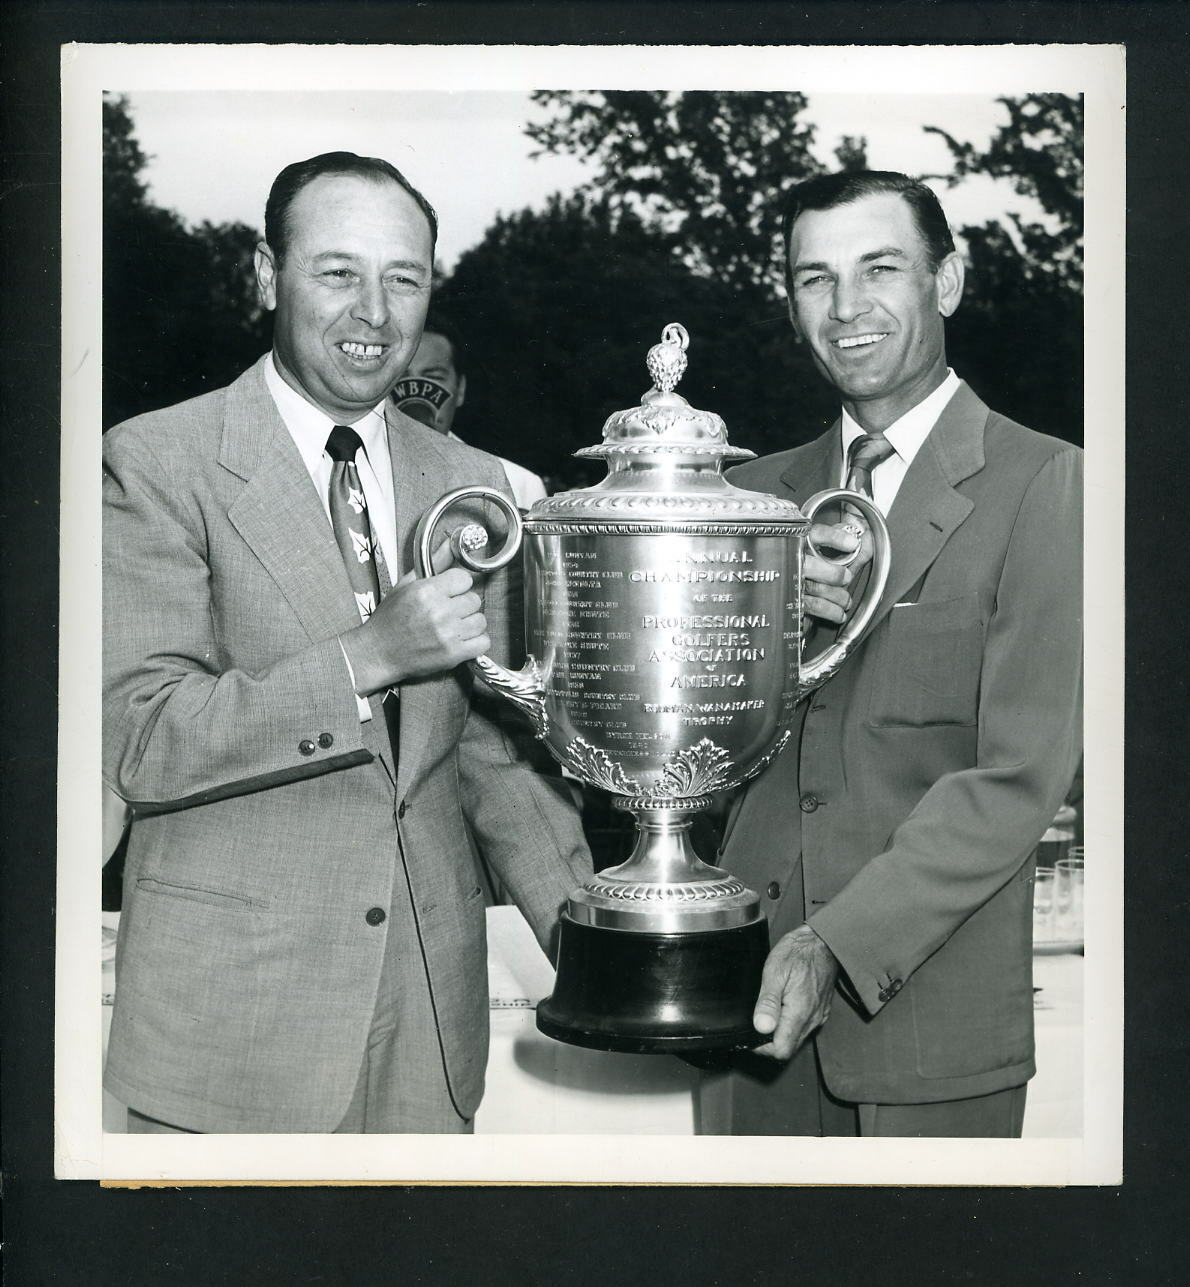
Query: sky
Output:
(213,154)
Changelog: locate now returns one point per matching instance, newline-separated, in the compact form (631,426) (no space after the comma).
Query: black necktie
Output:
(361,552)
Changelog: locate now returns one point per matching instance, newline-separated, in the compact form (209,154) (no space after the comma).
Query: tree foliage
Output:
(180,312)
(556,311)
(704,169)
(1040,152)
(1018,335)
(679,222)
(704,172)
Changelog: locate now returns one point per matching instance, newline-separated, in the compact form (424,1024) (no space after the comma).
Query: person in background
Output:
(433,390)
(288,710)
(893,840)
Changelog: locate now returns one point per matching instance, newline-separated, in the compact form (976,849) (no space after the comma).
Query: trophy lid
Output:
(665,464)
(665,423)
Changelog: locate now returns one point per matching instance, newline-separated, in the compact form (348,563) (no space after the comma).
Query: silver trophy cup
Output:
(664,622)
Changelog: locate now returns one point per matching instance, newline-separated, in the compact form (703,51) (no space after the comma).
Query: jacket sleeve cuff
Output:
(870,983)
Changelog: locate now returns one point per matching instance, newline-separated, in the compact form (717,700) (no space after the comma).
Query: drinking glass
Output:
(1068,899)
(1043,905)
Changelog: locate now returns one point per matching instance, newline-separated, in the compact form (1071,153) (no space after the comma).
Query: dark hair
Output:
(440,326)
(295,177)
(825,191)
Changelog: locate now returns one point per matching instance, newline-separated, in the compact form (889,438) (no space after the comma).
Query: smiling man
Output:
(288,713)
(894,837)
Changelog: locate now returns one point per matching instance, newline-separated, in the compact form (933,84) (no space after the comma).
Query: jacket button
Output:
(402,809)
(375,915)
(809,802)
(774,890)
(326,740)
(306,746)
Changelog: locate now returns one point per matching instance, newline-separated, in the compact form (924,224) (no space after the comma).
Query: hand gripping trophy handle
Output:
(814,673)
(524,687)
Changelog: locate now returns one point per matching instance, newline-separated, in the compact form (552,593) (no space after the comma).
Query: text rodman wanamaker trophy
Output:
(664,623)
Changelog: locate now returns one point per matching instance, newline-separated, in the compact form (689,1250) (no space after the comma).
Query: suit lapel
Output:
(279,513)
(928,508)
(819,469)
(280,517)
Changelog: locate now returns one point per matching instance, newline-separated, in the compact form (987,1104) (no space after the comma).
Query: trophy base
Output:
(649,993)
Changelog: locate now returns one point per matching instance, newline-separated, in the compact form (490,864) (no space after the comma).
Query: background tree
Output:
(681,218)
(680,221)
(1018,337)
(180,312)
(705,170)
(556,310)
(701,167)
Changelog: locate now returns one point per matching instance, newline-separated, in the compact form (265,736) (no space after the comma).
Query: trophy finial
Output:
(667,360)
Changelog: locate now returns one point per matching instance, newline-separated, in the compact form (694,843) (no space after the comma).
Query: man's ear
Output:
(461,392)
(266,275)
(949,278)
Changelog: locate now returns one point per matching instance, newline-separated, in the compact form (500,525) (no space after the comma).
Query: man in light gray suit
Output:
(302,941)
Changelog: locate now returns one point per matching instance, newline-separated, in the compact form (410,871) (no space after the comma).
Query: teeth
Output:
(361,350)
(855,341)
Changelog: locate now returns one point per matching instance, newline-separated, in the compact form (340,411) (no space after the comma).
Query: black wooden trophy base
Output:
(646,993)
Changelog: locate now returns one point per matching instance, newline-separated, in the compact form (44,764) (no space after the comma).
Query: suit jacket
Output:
(270,818)
(902,818)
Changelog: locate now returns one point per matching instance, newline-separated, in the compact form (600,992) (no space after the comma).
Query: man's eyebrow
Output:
(415,264)
(894,252)
(885,252)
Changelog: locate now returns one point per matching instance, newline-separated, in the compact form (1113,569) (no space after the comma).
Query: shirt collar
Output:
(310,426)
(909,432)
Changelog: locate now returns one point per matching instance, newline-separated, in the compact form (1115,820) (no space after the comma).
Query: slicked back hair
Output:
(295,177)
(825,191)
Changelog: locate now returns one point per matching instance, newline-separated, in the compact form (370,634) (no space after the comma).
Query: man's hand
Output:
(795,991)
(826,593)
(423,626)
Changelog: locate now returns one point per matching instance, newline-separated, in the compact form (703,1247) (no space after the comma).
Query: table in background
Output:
(538,1086)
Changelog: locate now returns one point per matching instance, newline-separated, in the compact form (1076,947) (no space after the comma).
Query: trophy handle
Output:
(523,688)
(822,667)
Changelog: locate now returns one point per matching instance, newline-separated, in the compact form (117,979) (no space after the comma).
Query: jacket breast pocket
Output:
(928,667)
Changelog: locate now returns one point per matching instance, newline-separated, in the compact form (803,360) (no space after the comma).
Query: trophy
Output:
(663,613)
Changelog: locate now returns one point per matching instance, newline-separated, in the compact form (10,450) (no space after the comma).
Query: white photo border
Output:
(82,1150)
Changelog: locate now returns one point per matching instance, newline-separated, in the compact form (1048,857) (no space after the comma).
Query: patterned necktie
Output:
(357,544)
(864,454)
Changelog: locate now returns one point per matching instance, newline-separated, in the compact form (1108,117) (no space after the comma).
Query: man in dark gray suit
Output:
(894,837)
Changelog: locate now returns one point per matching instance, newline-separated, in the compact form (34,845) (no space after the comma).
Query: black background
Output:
(74,1232)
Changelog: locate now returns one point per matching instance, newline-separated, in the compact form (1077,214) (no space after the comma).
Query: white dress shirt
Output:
(309,427)
(906,435)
